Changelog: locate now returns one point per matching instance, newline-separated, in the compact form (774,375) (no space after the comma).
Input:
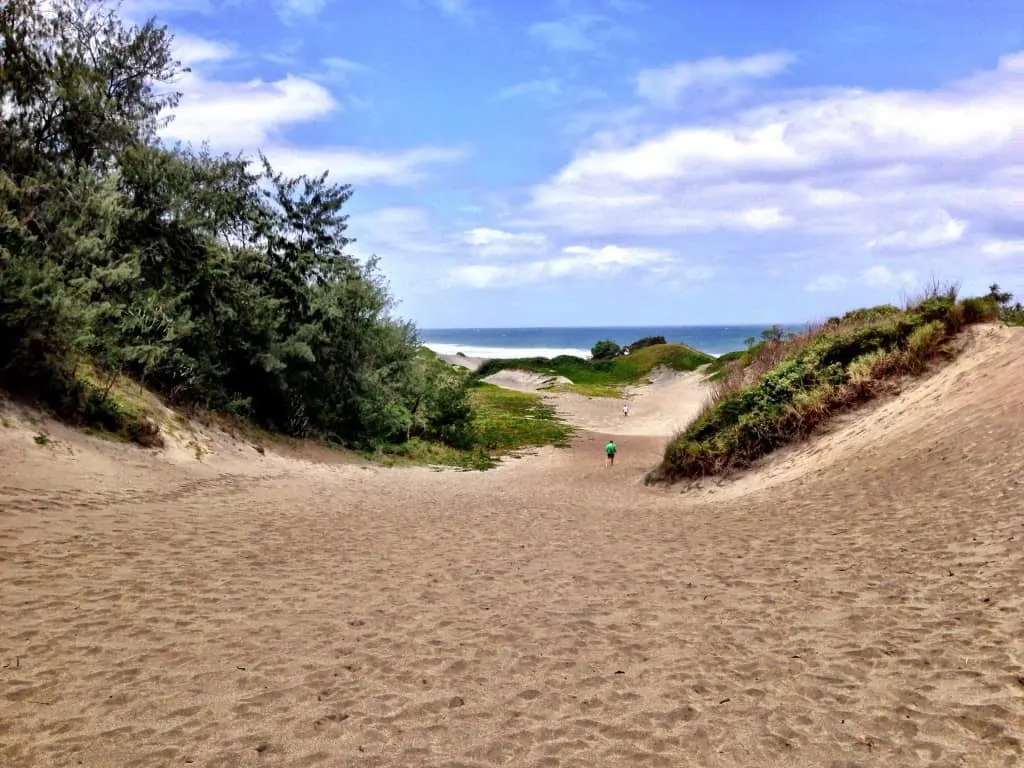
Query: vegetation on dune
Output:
(1011,314)
(783,387)
(604,377)
(503,421)
(606,349)
(771,336)
(506,420)
(215,281)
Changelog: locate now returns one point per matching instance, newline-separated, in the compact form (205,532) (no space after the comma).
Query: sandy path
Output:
(552,612)
(658,409)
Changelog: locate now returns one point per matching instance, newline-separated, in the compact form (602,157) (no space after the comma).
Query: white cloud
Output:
(356,164)
(827,282)
(490,243)
(335,69)
(664,86)
(394,230)
(292,10)
(577,33)
(881,276)
(902,170)
(1003,249)
(930,230)
(256,114)
(547,87)
(244,114)
(455,8)
(191,50)
(577,260)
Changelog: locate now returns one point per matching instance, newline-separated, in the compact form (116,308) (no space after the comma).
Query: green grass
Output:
(1012,315)
(716,370)
(800,382)
(506,421)
(605,378)
(119,411)
(503,421)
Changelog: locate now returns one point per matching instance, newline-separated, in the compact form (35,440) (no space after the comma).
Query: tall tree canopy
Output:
(212,278)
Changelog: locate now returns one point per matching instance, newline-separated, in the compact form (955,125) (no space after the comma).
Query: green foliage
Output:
(508,420)
(604,378)
(503,421)
(803,380)
(980,309)
(716,369)
(647,341)
(605,350)
(1007,313)
(216,281)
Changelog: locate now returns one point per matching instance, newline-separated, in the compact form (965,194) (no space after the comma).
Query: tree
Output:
(218,281)
(1000,297)
(604,350)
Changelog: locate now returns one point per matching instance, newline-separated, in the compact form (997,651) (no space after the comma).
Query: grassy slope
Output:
(605,378)
(504,421)
(798,384)
(716,370)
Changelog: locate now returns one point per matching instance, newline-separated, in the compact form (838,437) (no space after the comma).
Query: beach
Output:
(857,601)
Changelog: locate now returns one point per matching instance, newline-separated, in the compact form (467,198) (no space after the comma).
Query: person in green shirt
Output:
(611,449)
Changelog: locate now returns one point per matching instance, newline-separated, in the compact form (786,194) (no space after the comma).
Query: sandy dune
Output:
(658,409)
(858,602)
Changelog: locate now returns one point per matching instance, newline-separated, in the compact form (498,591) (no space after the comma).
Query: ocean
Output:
(551,342)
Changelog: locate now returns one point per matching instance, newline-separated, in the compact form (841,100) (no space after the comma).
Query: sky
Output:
(632,162)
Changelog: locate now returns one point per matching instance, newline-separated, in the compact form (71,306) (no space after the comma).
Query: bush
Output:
(981,309)
(646,341)
(604,350)
(215,280)
(781,390)
(604,378)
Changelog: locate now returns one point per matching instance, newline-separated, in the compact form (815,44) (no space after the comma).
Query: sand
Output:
(857,602)
(470,363)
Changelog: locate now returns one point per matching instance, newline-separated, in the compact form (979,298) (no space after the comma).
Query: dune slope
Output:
(858,602)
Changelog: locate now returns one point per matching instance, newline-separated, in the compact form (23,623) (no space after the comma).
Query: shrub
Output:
(979,309)
(924,342)
(647,341)
(783,388)
(604,350)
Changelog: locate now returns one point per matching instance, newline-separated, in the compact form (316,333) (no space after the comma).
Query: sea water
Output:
(551,342)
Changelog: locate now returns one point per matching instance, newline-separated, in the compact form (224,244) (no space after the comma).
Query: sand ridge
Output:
(258,610)
(658,408)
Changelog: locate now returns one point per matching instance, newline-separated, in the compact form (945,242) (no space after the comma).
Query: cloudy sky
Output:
(592,162)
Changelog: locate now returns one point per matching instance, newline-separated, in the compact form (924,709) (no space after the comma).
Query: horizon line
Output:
(601,327)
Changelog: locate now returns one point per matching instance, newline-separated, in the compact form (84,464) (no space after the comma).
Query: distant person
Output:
(625,409)
(610,450)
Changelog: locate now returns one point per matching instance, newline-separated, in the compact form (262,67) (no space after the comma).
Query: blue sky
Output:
(634,162)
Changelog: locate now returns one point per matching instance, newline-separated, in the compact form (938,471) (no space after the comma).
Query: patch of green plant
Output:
(419,452)
(716,368)
(505,420)
(844,362)
(604,377)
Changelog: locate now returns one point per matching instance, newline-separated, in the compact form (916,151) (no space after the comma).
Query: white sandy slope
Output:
(860,608)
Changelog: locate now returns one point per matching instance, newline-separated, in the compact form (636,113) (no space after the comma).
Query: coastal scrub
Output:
(781,390)
(604,377)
